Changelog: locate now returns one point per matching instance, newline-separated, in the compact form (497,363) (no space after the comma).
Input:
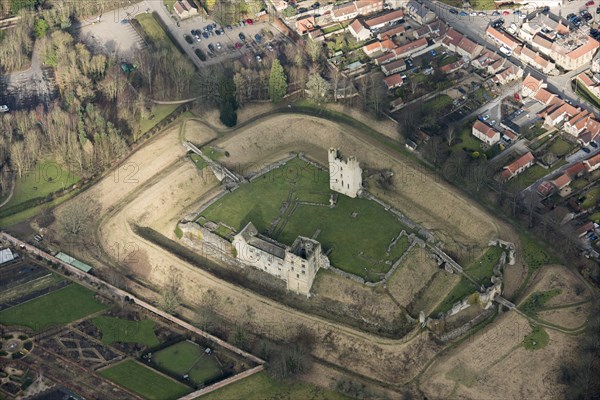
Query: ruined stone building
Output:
(297,264)
(345,176)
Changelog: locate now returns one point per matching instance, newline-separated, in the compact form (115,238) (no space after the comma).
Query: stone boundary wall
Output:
(271,167)
(220,384)
(97,284)
(210,202)
(208,243)
(463,329)
(311,162)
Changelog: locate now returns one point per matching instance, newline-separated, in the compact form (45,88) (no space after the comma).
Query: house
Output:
(545,188)
(562,181)
(6,255)
(305,25)
(344,12)
(485,133)
(573,59)
(316,34)
(296,265)
(468,48)
(534,59)
(279,5)
(589,84)
(502,39)
(396,104)
(584,229)
(359,31)
(531,86)
(508,75)
(185,9)
(518,166)
(385,58)
(397,30)
(411,48)
(452,67)
(366,7)
(420,13)
(393,67)
(384,46)
(576,124)
(509,135)
(384,20)
(592,163)
(393,81)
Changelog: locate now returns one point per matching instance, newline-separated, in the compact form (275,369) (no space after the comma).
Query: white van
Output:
(506,51)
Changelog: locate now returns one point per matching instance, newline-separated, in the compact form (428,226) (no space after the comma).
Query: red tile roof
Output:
(386,18)
(393,81)
(590,46)
(561,181)
(575,169)
(520,162)
(485,129)
(592,162)
(412,46)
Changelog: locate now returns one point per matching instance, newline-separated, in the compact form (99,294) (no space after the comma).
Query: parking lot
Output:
(228,44)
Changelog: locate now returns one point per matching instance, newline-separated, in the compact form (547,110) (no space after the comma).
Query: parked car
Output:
(486,117)
(598,10)
(205,35)
(242,37)
(517,12)
(219,46)
(585,150)
(317,5)
(506,13)
(481,14)
(495,13)
(433,53)
(594,145)
(188,39)
(258,58)
(270,48)
(3,108)
(302,10)
(249,21)
(588,17)
(211,47)
(590,3)
(229,27)
(473,14)
(258,38)
(569,16)
(452,11)
(463,14)
(238,45)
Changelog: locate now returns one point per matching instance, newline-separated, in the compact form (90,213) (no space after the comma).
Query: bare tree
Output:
(77,217)
(172,291)
(450,134)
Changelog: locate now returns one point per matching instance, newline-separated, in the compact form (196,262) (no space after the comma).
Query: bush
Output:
(178,232)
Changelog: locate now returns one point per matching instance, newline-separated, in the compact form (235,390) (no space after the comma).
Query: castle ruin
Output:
(345,176)
(297,265)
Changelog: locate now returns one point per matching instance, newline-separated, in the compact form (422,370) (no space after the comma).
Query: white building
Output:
(6,255)
(485,133)
(344,176)
(297,265)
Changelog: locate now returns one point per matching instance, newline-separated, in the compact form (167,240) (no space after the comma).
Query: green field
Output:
(44,178)
(198,161)
(483,268)
(56,308)
(120,330)
(537,339)
(462,289)
(537,301)
(188,358)
(145,381)
(534,253)
(154,32)
(160,112)
(260,387)
(357,231)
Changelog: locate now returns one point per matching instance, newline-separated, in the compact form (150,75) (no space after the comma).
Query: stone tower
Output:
(345,176)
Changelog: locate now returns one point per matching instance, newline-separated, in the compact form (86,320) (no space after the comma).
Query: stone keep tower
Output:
(344,176)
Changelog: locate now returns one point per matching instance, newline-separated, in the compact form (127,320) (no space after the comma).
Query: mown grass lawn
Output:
(56,308)
(198,161)
(560,147)
(260,386)
(155,33)
(46,177)
(357,231)
(121,330)
(145,381)
(466,141)
(526,178)
(188,358)
(591,198)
